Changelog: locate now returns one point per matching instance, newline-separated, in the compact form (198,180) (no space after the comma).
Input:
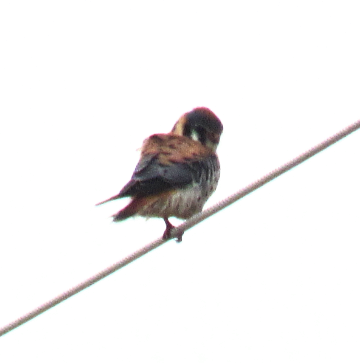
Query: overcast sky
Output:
(273,278)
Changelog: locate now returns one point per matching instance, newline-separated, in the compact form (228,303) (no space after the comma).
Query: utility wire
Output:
(183,227)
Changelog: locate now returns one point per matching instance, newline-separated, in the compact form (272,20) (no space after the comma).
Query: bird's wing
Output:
(168,162)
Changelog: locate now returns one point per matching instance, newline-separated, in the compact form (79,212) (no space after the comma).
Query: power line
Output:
(183,227)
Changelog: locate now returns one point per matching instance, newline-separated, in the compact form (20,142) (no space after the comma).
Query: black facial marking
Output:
(203,117)
(201,124)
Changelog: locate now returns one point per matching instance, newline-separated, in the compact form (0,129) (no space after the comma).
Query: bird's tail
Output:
(130,210)
(117,196)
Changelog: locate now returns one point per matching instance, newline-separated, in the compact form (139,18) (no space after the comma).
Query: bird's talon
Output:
(178,236)
(168,231)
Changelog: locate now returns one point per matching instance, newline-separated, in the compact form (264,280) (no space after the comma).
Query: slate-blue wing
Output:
(152,177)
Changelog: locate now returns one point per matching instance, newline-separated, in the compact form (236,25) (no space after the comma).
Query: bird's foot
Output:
(168,231)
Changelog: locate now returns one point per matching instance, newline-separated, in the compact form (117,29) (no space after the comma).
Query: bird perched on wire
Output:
(177,172)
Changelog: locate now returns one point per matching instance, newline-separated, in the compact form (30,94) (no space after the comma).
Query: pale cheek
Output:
(211,145)
(194,135)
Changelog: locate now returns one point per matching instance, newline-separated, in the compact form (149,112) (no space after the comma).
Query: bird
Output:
(177,171)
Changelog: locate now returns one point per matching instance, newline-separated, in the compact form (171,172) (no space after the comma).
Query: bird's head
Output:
(201,125)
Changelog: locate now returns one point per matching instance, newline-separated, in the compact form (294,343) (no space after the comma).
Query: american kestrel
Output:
(177,172)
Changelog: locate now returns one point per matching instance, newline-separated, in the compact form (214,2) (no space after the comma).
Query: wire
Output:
(183,227)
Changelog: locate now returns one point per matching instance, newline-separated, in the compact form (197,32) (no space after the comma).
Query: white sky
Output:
(273,278)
